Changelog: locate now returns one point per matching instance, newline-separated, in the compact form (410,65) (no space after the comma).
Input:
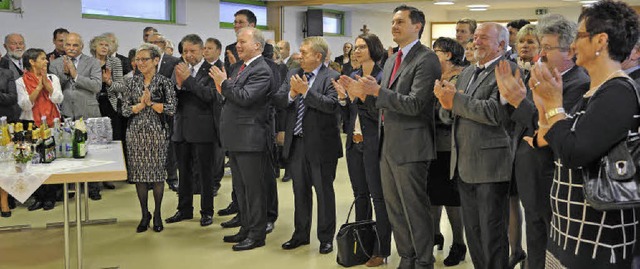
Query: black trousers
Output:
(364,172)
(485,211)
(320,176)
(405,194)
(205,156)
(272,191)
(47,192)
(251,190)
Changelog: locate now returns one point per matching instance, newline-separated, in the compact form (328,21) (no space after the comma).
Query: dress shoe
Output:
(206,220)
(326,248)
(157,223)
(231,209)
(144,223)
(48,205)
(35,206)
(438,240)
(294,243)
(173,184)
(232,223)
(456,254)
(270,226)
(5,214)
(286,178)
(178,216)
(375,261)
(517,257)
(236,238)
(94,195)
(108,185)
(248,244)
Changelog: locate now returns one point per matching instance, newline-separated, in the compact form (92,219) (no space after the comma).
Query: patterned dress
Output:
(147,132)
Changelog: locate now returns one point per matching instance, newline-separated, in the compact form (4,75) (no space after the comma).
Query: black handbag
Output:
(356,241)
(615,183)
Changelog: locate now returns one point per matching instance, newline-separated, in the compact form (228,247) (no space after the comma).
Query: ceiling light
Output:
(588,2)
(478,9)
(443,3)
(478,6)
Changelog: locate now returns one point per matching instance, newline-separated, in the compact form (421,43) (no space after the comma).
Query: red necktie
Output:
(242,68)
(396,65)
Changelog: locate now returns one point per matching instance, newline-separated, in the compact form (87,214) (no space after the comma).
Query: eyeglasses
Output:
(141,60)
(361,47)
(550,48)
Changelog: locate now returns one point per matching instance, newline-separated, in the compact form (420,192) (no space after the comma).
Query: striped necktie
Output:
(297,129)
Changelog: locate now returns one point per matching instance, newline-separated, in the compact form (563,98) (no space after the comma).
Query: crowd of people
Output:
(495,120)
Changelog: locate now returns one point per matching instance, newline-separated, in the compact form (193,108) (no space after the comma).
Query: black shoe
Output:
(144,223)
(286,178)
(5,214)
(294,243)
(173,184)
(518,257)
(206,220)
(236,238)
(326,248)
(157,223)
(94,195)
(270,226)
(456,254)
(108,185)
(178,216)
(232,223)
(248,244)
(438,240)
(35,206)
(48,205)
(231,209)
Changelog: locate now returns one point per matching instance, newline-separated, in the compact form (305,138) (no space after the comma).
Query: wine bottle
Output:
(79,141)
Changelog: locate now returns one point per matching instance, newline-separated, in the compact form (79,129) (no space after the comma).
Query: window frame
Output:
(229,25)
(172,16)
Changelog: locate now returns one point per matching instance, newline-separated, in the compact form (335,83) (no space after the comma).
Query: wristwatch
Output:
(552,112)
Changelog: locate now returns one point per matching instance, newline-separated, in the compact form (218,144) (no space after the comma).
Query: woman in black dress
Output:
(581,236)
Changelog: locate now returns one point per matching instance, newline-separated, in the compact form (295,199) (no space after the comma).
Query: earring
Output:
(597,53)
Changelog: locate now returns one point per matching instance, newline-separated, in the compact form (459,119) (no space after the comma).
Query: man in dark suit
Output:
(212,51)
(312,142)
(405,99)
(58,41)
(195,131)
(246,126)
(166,67)
(15,46)
(534,167)
(285,53)
(482,154)
(243,18)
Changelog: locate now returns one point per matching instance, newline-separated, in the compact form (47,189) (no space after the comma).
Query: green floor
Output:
(180,245)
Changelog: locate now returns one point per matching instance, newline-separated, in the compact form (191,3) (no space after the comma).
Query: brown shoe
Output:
(376,261)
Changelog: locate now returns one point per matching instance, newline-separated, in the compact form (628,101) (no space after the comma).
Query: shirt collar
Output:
(247,63)
(488,63)
(286,59)
(198,65)
(405,50)
(630,70)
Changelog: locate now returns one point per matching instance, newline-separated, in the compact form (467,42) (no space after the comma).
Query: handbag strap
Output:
(362,245)
(350,209)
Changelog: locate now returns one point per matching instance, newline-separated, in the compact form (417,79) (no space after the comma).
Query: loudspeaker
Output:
(314,22)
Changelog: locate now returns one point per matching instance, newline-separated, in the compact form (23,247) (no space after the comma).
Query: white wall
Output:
(40,18)
(570,13)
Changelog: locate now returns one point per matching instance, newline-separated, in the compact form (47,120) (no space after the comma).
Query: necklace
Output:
(595,88)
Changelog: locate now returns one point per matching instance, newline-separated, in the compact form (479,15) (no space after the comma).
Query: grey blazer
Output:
(407,101)
(80,94)
(481,146)
(5,62)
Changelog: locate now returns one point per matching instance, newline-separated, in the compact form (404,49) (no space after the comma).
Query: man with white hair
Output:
(482,154)
(15,46)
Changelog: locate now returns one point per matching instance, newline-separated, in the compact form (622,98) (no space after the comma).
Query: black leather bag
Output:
(356,241)
(615,182)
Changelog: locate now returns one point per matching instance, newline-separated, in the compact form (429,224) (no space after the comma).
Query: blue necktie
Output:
(297,129)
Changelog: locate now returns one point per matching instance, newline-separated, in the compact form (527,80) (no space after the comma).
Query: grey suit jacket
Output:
(407,101)
(80,94)
(6,63)
(481,146)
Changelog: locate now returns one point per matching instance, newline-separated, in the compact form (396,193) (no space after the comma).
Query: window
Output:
(5,4)
(229,8)
(139,10)
(333,22)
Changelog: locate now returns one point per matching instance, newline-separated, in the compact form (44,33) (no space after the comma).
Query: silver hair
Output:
(6,38)
(503,34)
(258,37)
(318,44)
(113,39)
(79,38)
(556,24)
(529,29)
(154,51)
(93,44)
(169,44)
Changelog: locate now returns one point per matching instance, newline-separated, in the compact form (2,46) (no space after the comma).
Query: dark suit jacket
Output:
(8,96)
(407,102)
(320,123)
(481,148)
(168,64)
(368,117)
(198,102)
(6,63)
(218,64)
(245,122)
(126,64)
(291,64)
(635,75)
(266,53)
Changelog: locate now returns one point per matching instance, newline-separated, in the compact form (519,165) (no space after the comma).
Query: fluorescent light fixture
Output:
(443,3)
(588,2)
(478,6)
(478,9)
